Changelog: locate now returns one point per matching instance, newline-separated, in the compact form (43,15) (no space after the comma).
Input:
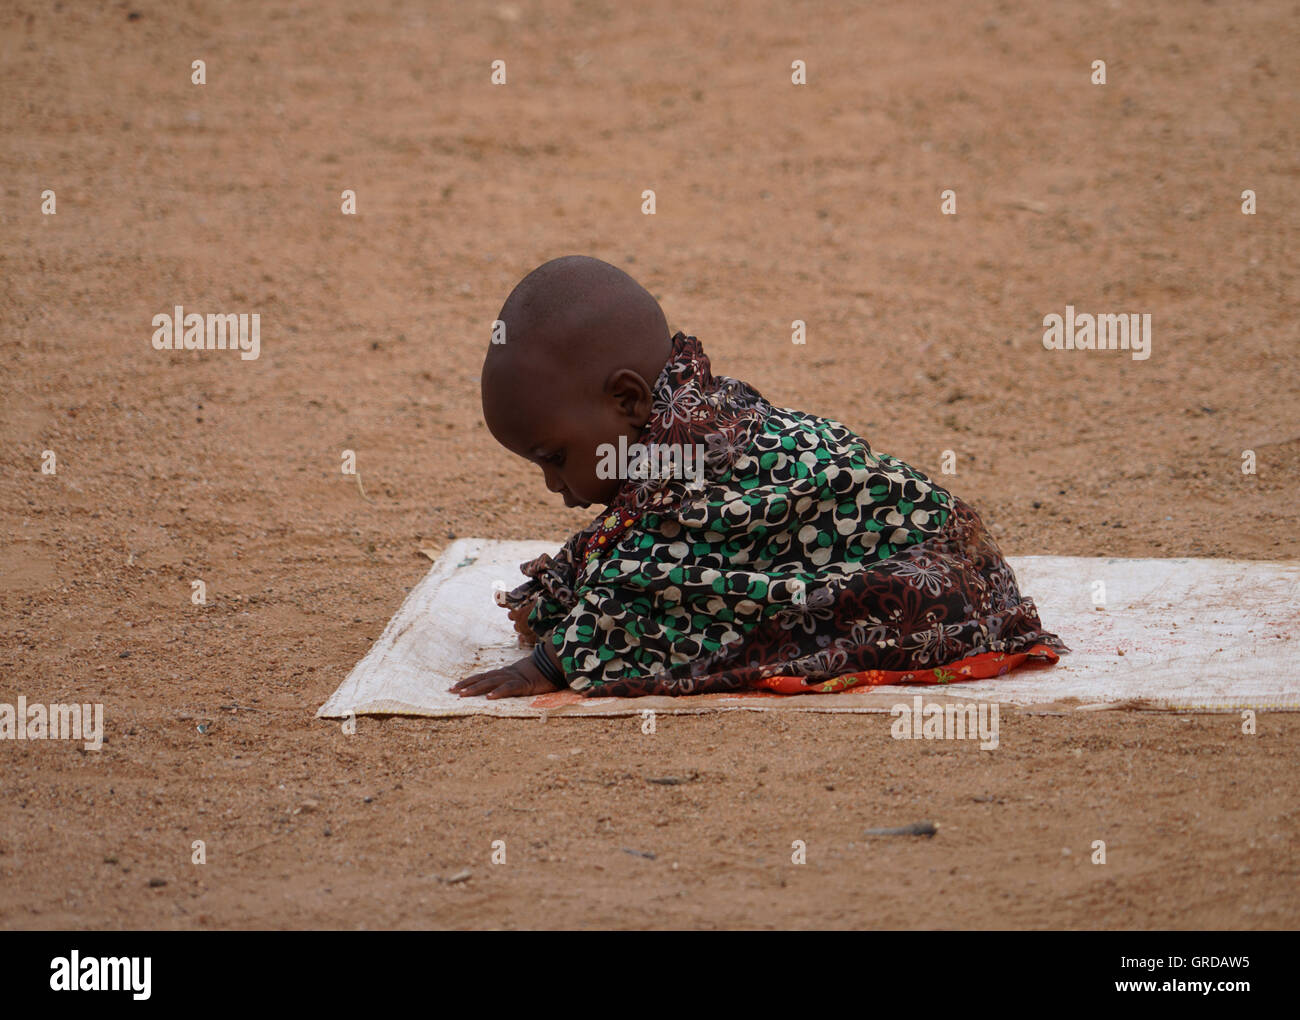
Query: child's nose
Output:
(552,480)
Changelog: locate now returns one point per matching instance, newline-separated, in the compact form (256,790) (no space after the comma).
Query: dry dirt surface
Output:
(775,202)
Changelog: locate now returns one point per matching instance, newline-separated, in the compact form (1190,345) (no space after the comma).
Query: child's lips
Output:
(570,501)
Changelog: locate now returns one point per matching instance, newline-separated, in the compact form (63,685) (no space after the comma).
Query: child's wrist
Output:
(546,666)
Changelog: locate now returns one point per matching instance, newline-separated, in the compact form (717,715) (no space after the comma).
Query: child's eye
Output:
(556,458)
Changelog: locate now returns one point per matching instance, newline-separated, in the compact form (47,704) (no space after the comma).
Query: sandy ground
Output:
(774,203)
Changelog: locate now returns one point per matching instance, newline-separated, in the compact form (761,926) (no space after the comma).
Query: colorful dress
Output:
(800,562)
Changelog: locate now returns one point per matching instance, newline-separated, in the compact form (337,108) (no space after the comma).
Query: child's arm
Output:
(519,679)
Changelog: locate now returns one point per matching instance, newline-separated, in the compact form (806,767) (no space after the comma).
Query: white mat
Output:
(1184,634)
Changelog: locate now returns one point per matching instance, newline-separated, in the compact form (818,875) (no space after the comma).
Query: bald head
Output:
(584,345)
(579,318)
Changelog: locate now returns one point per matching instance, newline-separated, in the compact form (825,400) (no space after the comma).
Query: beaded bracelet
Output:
(546,667)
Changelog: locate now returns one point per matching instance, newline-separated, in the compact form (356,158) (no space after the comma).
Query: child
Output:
(769,549)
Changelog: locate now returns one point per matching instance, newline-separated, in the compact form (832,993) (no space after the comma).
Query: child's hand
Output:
(520,618)
(517,680)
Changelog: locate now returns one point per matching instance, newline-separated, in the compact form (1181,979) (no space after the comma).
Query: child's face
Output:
(563,435)
(566,445)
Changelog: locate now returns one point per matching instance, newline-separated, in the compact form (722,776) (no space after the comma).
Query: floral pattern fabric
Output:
(802,562)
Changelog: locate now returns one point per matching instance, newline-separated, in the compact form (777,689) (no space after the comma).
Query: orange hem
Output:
(975,667)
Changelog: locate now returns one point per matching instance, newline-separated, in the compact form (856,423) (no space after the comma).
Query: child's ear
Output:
(631,394)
